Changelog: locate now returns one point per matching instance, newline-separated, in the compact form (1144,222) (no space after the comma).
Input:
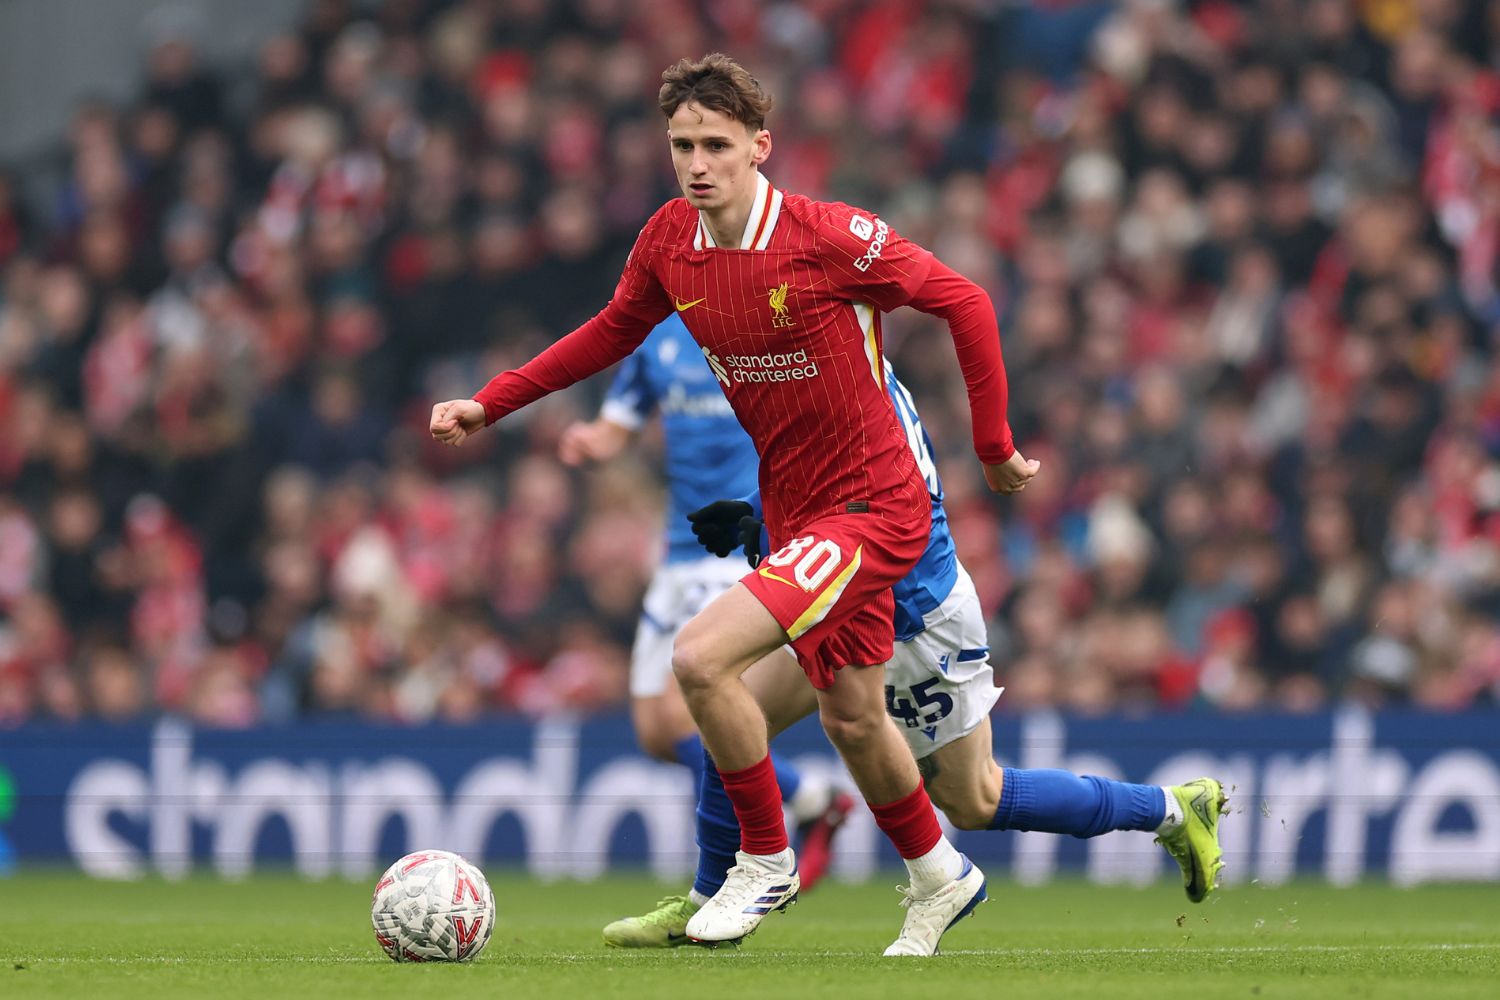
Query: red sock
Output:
(757,805)
(910,823)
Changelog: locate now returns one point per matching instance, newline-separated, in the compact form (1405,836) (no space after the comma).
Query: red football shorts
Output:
(830,588)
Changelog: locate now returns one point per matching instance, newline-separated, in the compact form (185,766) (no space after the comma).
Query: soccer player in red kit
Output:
(784,296)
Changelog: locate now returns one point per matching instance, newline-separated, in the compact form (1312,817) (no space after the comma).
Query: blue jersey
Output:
(709,455)
(931,580)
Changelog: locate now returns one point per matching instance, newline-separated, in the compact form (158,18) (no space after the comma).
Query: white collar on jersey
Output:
(762,222)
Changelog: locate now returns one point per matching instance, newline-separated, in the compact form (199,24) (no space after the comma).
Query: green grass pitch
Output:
(275,936)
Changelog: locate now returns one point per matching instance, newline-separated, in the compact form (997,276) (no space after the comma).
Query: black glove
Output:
(750,529)
(726,525)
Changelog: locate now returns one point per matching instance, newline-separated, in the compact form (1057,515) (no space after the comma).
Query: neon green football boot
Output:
(663,927)
(1195,844)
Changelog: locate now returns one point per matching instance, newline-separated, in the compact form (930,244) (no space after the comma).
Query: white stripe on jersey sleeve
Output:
(864,315)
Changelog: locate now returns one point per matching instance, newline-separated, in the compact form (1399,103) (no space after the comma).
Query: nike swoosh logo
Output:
(685,306)
(772,576)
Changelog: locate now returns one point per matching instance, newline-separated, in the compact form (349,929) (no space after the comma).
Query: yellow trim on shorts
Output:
(823,603)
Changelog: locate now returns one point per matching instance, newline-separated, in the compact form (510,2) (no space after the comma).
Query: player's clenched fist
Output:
(1011,475)
(455,420)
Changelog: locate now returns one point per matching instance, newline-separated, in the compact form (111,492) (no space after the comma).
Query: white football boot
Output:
(750,891)
(928,917)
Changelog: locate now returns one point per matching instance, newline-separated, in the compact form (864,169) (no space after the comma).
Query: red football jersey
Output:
(790,324)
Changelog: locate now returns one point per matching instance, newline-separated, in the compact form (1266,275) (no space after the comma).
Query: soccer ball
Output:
(432,906)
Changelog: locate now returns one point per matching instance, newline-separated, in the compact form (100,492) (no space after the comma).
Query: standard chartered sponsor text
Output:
(789,367)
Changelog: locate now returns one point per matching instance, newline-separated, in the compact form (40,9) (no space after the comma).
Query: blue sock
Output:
(787,776)
(690,755)
(718,830)
(1063,802)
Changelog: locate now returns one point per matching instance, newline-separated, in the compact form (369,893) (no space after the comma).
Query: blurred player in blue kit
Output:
(939,686)
(707,455)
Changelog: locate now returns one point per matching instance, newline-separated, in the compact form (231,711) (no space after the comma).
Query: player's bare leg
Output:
(964,780)
(663,723)
(664,729)
(784,694)
(853,715)
(962,777)
(945,885)
(709,659)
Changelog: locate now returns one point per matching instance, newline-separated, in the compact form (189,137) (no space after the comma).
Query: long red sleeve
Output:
(609,337)
(976,336)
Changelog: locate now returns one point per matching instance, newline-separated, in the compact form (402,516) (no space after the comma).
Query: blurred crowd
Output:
(1244,254)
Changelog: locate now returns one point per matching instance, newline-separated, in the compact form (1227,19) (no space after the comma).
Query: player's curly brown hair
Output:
(718,83)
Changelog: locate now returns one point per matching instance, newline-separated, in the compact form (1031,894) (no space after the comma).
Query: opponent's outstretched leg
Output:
(975,793)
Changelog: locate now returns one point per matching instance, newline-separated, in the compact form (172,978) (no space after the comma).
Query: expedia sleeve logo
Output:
(877,232)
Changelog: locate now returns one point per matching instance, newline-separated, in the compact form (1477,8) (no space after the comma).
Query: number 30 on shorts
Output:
(812,561)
